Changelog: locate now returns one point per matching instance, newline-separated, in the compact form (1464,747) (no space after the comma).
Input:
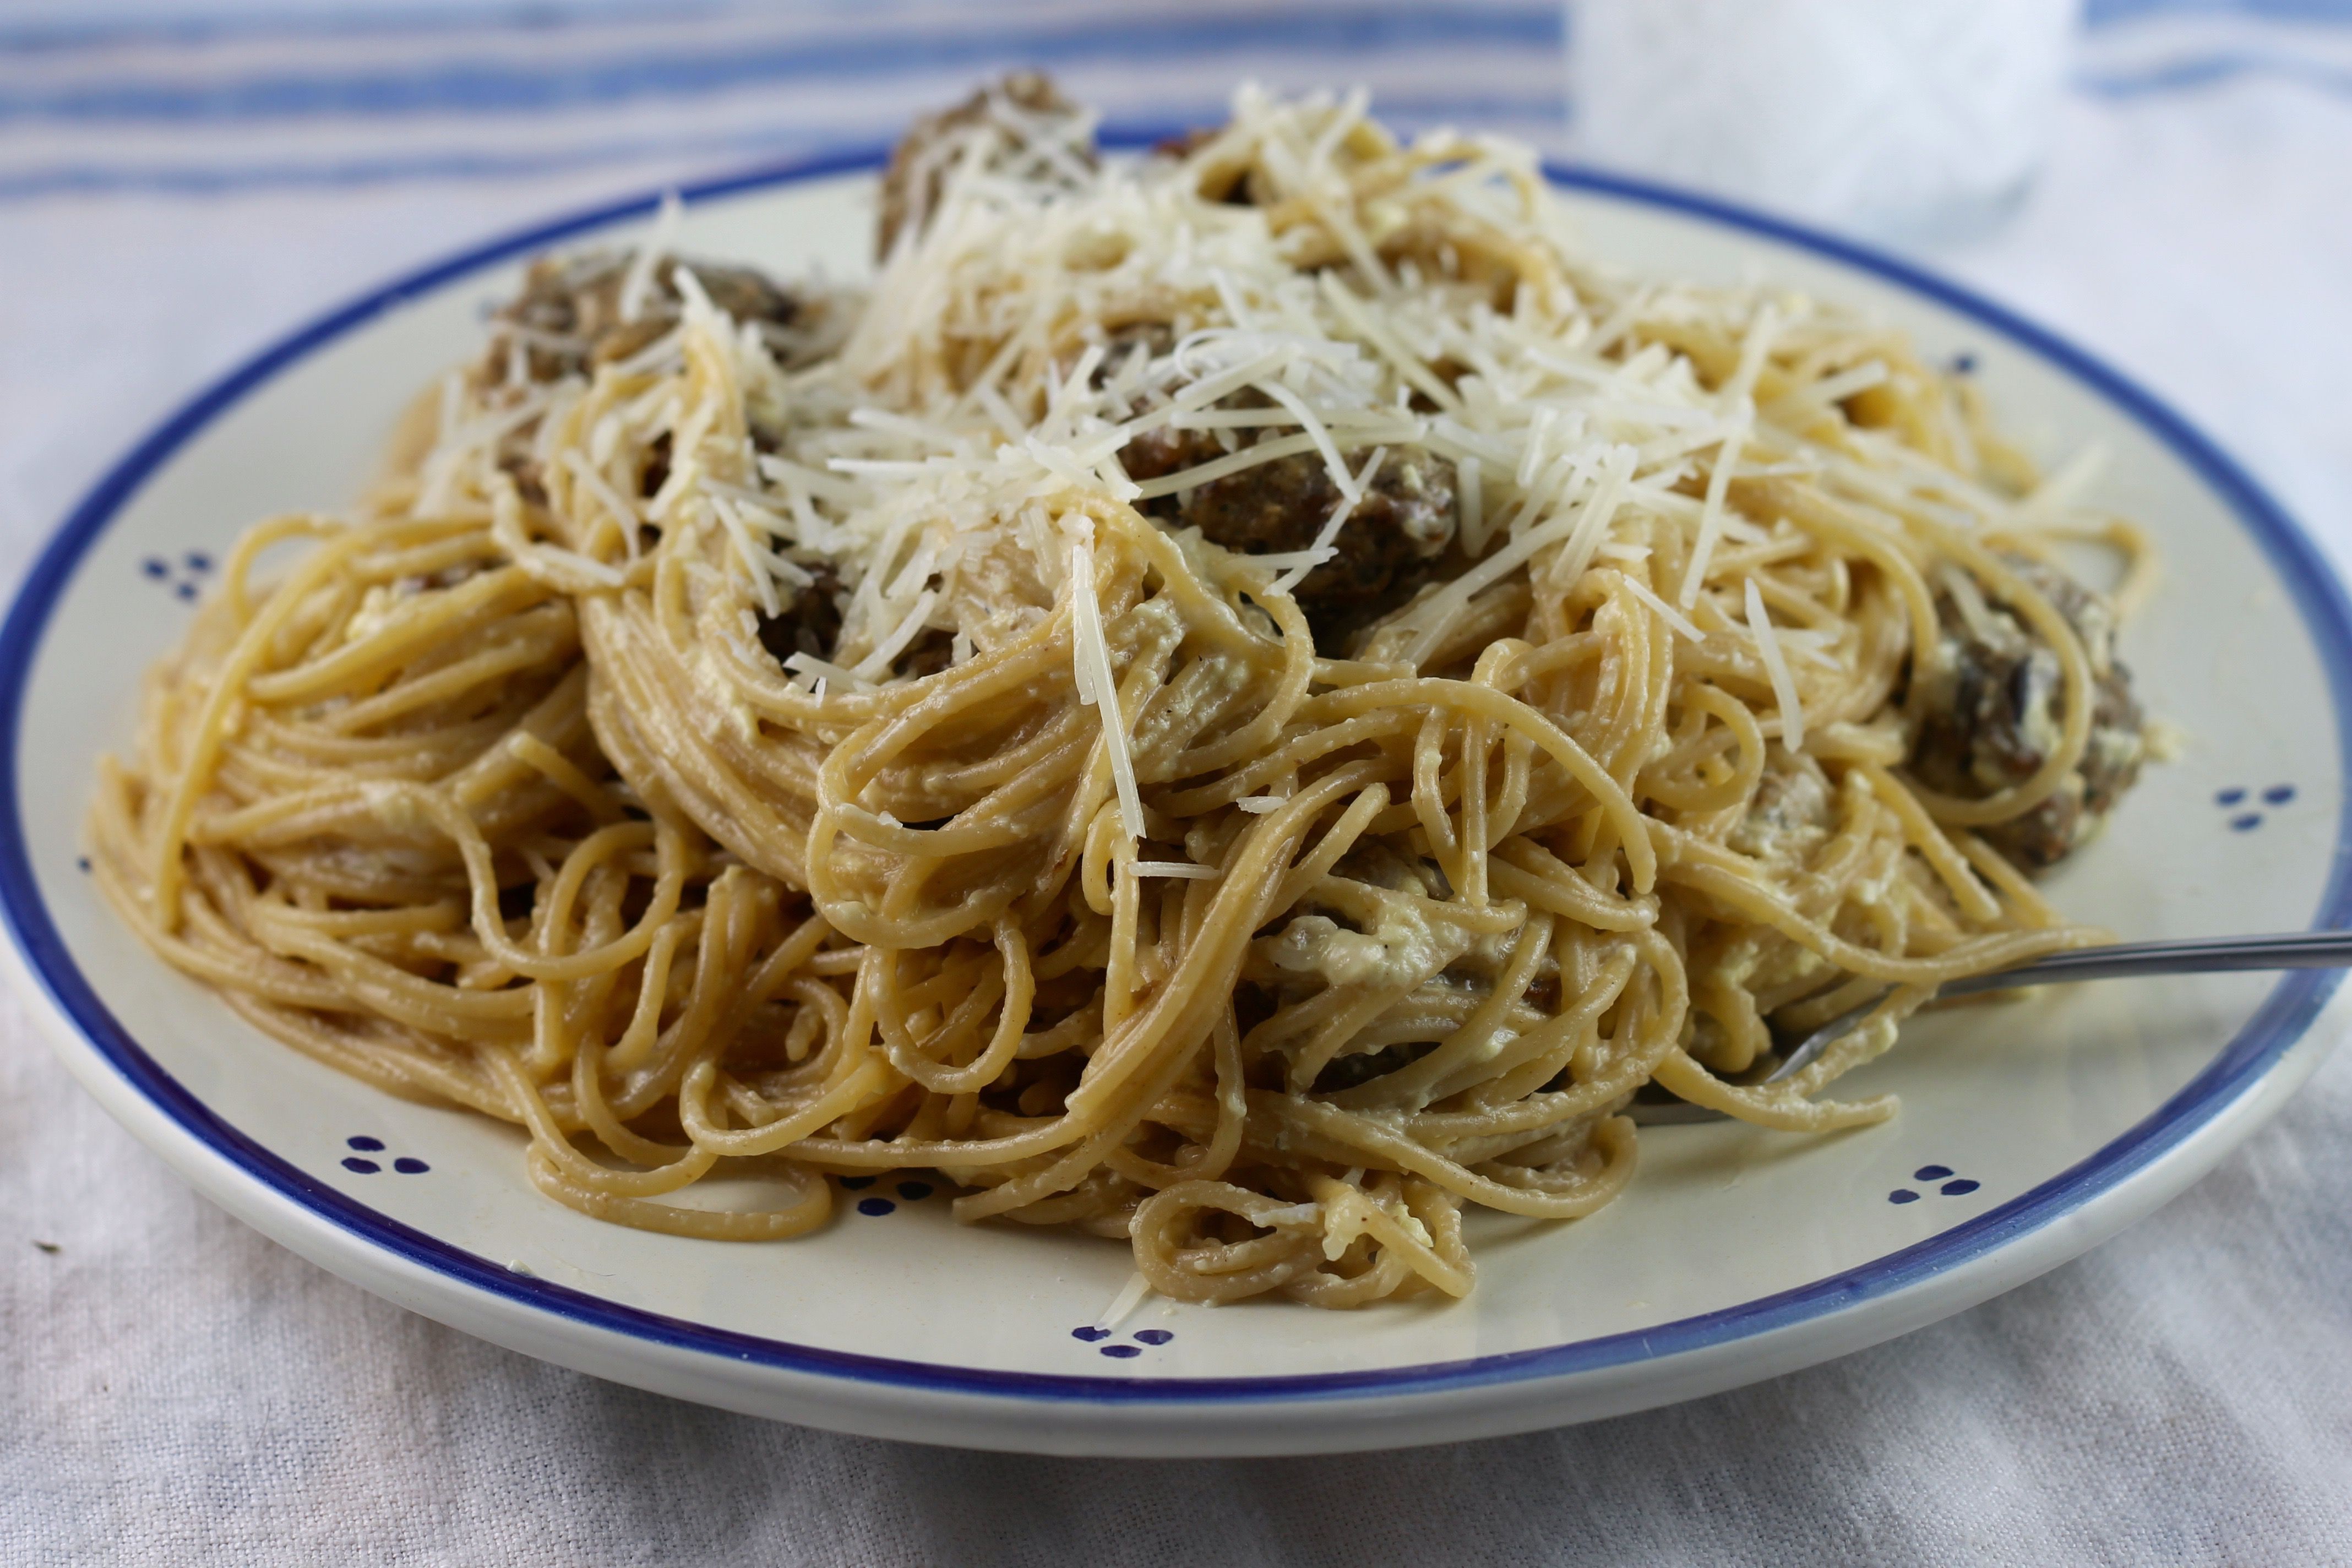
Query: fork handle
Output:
(2119,960)
(2187,955)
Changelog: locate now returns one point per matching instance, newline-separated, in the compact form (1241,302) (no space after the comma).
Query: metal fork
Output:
(2194,956)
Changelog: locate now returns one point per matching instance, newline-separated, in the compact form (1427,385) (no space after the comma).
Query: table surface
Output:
(173,192)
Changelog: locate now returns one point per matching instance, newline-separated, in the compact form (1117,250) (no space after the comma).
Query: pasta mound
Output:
(1242,701)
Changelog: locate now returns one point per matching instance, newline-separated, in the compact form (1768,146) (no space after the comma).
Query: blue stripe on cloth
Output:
(507,87)
(77,29)
(2174,75)
(2114,13)
(101,179)
(74,27)
(1404,110)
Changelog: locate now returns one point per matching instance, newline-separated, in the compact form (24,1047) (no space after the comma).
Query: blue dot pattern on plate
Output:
(1093,1335)
(406,1164)
(1958,1187)
(2273,796)
(182,577)
(911,1191)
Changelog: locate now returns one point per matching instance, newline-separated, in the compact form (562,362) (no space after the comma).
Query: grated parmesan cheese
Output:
(1579,441)
(1727,458)
(1123,1305)
(1671,617)
(639,282)
(1098,685)
(1776,665)
(1182,869)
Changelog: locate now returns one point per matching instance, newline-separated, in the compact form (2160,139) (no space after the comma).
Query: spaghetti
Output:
(1243,701)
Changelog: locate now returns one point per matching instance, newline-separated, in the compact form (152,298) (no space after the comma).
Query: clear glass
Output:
(1914,120)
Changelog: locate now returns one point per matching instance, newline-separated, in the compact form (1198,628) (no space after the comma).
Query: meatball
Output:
(569,312)
(567,322)
(1388,548)
(1985,721)
(1391,544)
(810,623)
(911,186)
(932,651)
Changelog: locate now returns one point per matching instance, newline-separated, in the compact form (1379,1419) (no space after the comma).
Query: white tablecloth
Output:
(178,1390)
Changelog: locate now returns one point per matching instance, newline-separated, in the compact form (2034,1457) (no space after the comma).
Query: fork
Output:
(2193,955)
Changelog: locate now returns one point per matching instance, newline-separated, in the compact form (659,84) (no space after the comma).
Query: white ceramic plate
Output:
(2030,1131)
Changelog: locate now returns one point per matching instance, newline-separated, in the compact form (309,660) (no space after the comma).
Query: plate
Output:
(2031,1131)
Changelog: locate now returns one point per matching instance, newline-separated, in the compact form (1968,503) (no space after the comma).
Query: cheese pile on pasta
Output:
(1244,700)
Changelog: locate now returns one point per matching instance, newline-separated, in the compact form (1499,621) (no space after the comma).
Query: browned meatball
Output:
(911,186)
(1391,544)
(810,623)
(931,651)
(569,311)
(567,321)
(1985,721)
(1387,549)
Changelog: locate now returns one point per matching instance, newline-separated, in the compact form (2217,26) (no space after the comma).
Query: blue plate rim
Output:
(2274,1027)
